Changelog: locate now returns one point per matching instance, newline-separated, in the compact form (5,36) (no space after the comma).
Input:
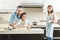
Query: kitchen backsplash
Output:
(32,16)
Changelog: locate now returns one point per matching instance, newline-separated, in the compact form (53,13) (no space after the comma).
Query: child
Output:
(23,22)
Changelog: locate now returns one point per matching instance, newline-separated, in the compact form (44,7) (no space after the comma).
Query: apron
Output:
(49,28)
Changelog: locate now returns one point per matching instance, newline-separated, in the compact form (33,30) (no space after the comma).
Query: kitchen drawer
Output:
(55,34)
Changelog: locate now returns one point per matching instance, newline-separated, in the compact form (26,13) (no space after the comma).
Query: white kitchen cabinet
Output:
(32,1)
(10,5)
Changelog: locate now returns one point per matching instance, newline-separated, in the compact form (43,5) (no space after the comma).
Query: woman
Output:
(49,25)
(23,22)
(50,21)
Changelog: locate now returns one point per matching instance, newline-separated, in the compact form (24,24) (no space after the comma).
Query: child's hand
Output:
(28,27)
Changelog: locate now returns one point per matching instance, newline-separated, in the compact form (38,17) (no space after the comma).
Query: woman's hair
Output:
(24,13)
(51,10)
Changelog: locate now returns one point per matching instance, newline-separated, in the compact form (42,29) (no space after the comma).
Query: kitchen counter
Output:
(44,25)
(18,31)
(38,25)
(16,34)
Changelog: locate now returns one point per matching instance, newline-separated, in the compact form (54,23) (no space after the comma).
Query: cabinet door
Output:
(3,37)
(26,37)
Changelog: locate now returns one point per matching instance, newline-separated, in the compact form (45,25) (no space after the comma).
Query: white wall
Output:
(54,3)
(11,4)
(6,5)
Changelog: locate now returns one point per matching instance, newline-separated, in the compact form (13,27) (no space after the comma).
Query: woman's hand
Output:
(19,26)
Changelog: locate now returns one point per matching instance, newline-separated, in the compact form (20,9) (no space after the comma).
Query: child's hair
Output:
(24,13)
(19,6)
